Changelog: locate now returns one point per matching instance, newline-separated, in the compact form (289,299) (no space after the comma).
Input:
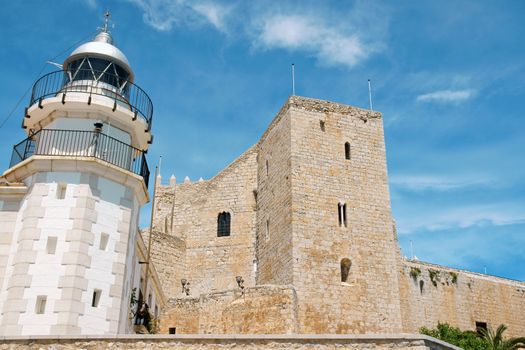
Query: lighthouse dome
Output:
(100,52)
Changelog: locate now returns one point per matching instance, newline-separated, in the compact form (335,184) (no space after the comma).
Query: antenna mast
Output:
(293,79)
(370,95)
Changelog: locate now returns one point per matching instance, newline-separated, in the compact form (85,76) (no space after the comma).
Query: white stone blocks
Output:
(72,282)
(70,306)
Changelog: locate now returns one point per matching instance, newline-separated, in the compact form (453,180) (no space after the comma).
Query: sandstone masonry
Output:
(312,241)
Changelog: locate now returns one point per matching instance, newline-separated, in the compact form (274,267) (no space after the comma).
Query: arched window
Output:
(223,224)
(347,150)
(345,269)
(341,210)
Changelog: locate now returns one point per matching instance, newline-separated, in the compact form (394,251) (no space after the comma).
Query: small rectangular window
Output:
(51,245)
(96,297)
(104,238)
(172,330)
(344,215)
(61,190)
(480,326)
(40,306)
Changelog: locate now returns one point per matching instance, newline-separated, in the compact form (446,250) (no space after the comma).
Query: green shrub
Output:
(414,273)
(454,277)
(467,340)
(434,276)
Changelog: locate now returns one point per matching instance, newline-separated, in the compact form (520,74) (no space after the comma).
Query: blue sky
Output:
(448,76)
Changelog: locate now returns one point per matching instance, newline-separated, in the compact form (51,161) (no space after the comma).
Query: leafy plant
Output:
(434,276)
(495,341)
(467,340)
(454,277)
(414,273)
(153,324)
(133,302)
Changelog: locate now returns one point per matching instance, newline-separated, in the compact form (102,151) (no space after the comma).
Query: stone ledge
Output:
(206,338)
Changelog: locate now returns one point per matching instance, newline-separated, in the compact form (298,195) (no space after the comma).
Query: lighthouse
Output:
(70,200)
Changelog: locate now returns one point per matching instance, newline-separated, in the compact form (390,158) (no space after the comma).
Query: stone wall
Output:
(258,310)
(238,341)
(168,255)
(321,179)
(274,203)
(189,212)
(432,293)
(10,198)
(283,195)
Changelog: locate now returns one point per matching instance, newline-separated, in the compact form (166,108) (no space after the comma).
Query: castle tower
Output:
(70,201)
(324,220)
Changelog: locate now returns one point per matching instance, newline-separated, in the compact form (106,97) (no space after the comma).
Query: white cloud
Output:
(214,13)
(311,29)
(164,14)
(445,96)
(308,33)
(437,183)
(498,214)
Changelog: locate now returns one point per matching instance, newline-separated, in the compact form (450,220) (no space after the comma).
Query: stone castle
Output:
(297,236)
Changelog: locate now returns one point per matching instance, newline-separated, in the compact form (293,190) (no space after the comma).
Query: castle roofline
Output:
(317,105)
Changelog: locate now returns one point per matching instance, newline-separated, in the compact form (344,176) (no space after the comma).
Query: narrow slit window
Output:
(61,190)
(96,297)
(267,167)
(223,224)
(149,299)
(51,245)
(341,212)
(347,150)
(104,239)
(345,269)
(267,230)
(40,306)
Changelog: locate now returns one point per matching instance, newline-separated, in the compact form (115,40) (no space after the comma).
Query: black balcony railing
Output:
(92,82)
(77,143)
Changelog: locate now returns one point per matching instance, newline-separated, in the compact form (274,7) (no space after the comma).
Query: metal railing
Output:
(92,82)
(78,143)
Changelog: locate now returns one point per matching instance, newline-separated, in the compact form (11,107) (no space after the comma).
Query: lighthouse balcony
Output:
(92,87)
(78,144)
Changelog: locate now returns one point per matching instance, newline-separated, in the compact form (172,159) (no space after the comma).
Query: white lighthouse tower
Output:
(69,203)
